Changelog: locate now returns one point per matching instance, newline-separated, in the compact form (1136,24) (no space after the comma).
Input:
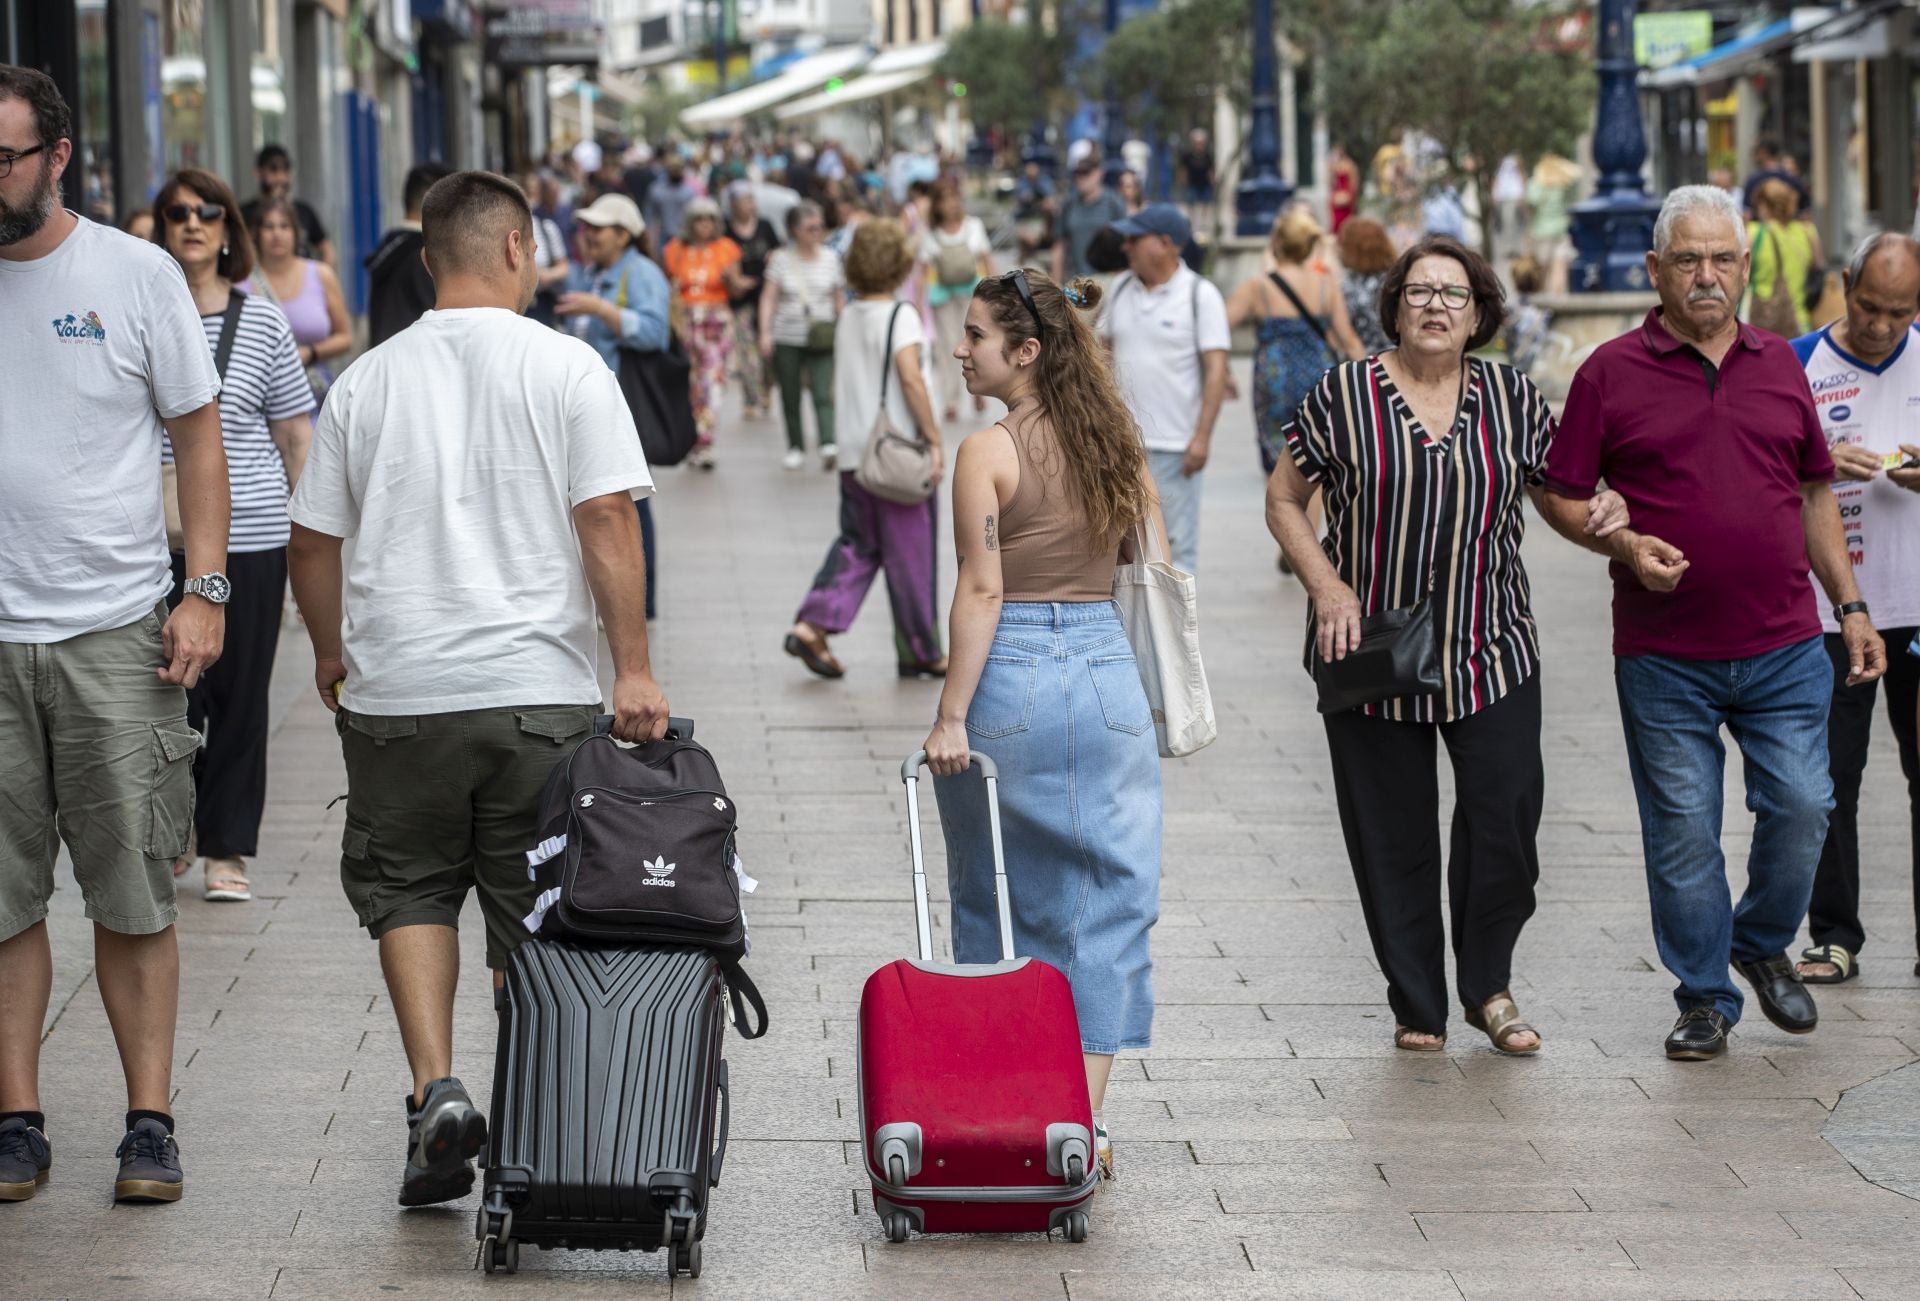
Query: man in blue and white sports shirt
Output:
(1865,375)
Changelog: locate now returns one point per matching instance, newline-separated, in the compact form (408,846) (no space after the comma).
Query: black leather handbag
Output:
(1398,655)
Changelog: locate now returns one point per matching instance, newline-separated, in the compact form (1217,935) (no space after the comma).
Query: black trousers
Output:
(1834,915)
(229,706)
(1389,796)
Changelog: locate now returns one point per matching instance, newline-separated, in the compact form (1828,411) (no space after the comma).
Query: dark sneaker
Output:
(26,1159)
(1783,996)
(149,1165)
(444,1134)
(1700,1033)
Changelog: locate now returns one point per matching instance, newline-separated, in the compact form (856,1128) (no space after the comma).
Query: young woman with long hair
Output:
(1040,674)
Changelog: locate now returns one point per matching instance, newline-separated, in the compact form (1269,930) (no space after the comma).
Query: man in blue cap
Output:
(1166,327)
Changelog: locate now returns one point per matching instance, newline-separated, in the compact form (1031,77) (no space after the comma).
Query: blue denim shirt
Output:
(643,318)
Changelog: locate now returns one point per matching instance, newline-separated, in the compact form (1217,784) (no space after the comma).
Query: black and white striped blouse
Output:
(264,382)
(1402,504)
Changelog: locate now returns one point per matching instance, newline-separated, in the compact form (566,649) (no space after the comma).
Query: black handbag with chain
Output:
(1399,650)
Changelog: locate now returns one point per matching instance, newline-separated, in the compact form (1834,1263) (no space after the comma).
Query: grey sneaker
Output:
(26,1159)
(149,1165)
(444,1134)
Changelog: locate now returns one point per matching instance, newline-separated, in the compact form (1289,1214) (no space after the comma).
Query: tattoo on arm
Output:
(993,543)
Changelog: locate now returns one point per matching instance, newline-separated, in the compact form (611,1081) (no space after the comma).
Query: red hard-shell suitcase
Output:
(973,1092)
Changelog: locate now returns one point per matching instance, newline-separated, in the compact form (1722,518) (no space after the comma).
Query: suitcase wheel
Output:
(1076,1171)
(899,1226)
(1077,1226)
(500,1257)
(682,1258)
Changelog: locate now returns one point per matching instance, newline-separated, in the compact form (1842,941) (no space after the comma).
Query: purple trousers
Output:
(874,535)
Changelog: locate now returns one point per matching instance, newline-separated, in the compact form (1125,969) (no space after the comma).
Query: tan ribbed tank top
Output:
(1046,553)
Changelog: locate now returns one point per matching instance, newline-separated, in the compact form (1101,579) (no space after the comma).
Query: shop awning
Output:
(1742,54)
(871,86)
(808,74)
(906,57)
(1859,33)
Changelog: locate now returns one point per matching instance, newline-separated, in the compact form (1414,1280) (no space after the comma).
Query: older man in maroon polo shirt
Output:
(1706,427)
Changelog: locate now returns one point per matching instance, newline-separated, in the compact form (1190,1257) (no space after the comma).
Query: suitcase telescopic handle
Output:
(923,922)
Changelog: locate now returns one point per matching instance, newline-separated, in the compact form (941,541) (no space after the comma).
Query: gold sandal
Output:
(1504,1026)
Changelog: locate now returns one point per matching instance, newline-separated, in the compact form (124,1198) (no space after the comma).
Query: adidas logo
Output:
(720,804)
(658,871)
(586,801)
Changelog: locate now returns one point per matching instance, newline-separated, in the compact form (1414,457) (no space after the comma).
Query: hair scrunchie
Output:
(1074,296)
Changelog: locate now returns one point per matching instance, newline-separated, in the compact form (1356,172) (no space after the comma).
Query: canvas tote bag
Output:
(1157,606)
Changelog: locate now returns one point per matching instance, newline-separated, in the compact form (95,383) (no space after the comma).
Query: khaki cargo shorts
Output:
(440,804)
(94,750)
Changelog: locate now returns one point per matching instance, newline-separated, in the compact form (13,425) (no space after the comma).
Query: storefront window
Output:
(269,74)
(94,114)
(183,94)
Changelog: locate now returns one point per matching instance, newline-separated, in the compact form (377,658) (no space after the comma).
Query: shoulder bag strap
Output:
(1313,322)
(886,361)
(229,326)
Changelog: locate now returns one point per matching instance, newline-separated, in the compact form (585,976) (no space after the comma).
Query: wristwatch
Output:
(1840,612)
(214,587)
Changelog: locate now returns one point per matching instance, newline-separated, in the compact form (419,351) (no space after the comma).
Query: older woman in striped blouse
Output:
(1425,454)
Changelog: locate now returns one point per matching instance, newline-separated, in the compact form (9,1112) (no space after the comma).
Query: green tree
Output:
(1169,67)
(1006,68)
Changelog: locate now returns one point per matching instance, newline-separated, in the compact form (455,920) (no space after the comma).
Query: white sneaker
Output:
(829,458)
(794,459)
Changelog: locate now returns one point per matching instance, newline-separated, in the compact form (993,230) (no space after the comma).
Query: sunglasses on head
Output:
(1018,277)
(207,212)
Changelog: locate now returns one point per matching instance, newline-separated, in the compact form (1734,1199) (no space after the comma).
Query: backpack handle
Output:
(678,729)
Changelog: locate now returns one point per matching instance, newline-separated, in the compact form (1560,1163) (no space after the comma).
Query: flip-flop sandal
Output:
(1403,1039)
(224,885)
(818,659)
(1834,955)
(1504,1026)
(1103,1150)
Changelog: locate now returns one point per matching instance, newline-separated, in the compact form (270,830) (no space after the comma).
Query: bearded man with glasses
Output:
(1707,427)
(105,347)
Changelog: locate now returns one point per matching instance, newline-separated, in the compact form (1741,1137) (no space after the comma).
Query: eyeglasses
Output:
(207,212)
(1452,297)
(1688,263)
(8,160)
(1019,278)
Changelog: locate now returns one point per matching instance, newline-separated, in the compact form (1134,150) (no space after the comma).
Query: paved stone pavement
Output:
(1272,1144)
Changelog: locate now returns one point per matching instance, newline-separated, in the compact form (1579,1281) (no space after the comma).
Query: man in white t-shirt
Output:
(103,347)
(486,468)
(1865,374)
(1167,328)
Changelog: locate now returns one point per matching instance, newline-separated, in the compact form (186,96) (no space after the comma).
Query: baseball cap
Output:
(588,155)
(1157,219)
(1078,152)
(613,210)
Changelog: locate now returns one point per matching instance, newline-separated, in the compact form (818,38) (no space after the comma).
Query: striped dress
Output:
(1403,505)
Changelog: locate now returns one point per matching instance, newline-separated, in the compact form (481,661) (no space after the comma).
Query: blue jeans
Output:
(1061,712)
(1775,705)
(1180,505)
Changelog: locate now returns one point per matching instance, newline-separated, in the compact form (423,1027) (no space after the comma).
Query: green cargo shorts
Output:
(94,750)
(440,804)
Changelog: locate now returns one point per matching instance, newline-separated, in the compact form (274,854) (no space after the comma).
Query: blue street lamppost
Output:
(1613,230)
(1038,150)
(1265,191)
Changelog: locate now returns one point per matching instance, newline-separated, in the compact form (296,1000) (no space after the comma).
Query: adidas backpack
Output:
(637,847)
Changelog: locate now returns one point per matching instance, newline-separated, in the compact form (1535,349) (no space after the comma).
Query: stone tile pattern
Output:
(1272,1144)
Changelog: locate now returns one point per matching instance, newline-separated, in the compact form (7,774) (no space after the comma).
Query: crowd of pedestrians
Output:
(450,583)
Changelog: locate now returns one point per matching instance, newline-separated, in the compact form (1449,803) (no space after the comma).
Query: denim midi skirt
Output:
(1061,712)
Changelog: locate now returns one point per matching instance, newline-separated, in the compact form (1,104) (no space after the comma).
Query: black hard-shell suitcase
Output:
(609,1103)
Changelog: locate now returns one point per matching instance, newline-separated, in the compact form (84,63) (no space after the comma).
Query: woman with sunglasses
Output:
(703,265)
(266,425)
(1041,676)
(1425,456)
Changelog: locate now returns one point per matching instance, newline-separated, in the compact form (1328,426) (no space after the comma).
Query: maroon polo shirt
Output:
(1710,460)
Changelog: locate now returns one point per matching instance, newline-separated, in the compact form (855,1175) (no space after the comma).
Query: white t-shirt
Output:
(453,455)
(1157,337)
(972,234)
(1877,407)
(858,346)
(103,342)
